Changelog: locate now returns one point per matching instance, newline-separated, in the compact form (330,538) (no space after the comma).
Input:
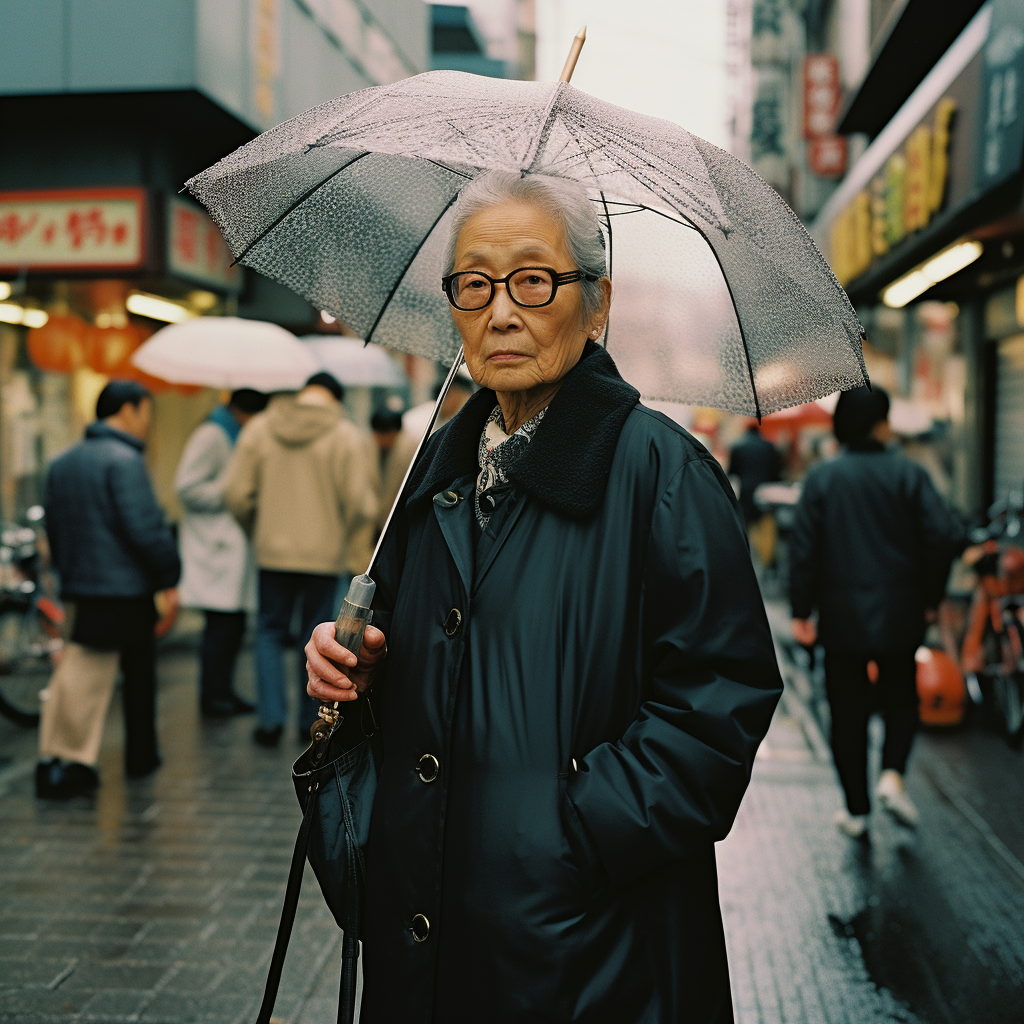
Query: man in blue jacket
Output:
(114,552)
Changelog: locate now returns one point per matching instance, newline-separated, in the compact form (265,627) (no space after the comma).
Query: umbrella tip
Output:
(582,34)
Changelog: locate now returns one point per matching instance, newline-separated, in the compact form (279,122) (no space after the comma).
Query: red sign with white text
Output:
(73,229)
(826,157)
(821,94)
(195,247)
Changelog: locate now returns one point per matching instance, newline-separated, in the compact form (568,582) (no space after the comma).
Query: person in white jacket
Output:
(219,575)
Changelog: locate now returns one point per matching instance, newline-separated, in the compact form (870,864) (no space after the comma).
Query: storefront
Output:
(925,230)
(89,274)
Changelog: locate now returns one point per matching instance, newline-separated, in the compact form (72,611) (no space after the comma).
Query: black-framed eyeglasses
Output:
(529,287)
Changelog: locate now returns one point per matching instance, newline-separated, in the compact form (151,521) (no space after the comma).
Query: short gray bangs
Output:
(564,199)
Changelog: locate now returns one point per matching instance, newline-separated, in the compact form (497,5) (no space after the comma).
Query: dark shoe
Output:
(226,707)
(143,768)
(267,737)
(56,781)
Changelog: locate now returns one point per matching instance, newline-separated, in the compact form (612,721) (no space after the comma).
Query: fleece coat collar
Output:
(567,463)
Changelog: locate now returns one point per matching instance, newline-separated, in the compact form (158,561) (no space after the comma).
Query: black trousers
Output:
(125,625)
(853,698)
(218,652)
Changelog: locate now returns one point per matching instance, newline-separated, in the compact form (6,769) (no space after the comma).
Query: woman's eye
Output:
(533,279)
(477,284)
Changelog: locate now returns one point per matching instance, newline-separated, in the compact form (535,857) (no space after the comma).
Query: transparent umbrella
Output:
(721,297)
(355,363)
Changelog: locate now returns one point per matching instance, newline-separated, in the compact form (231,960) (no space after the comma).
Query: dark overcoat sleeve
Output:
(673,783)
(942,536)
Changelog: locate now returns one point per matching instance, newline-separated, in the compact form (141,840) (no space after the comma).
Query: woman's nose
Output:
(504,312)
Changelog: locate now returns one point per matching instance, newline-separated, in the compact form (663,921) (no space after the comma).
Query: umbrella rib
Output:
(739,319)
(405,269)
(298,202)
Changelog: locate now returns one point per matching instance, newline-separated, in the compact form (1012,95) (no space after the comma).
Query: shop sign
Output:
(826,157)
(821,94)
(901,199)
(196,249)
(83,229)
(1002,102)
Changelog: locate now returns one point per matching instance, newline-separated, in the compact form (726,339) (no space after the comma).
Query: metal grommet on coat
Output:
(420,928)
(452,623)
(428,767)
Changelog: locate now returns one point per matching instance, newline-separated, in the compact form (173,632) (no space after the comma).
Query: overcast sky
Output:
(660,57)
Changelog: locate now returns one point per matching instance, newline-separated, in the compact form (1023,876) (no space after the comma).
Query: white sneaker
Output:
(852,825)
(893,797)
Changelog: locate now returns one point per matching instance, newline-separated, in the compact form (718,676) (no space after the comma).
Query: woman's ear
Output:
(600,318)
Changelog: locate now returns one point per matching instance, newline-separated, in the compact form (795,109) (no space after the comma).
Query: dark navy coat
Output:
(570,709)
(107,534)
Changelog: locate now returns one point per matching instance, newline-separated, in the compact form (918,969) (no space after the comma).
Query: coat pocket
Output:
(588,864)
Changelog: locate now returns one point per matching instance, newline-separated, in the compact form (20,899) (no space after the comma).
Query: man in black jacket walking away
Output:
(114,551)
(872,545)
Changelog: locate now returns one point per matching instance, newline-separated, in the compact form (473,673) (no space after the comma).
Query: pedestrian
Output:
(300,483)
(754,461)
(871,549)
(580,667)
(395,449)
(416,419)
(218,575)
(114,551)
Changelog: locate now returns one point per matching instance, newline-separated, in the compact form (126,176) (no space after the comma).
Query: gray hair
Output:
(563,199)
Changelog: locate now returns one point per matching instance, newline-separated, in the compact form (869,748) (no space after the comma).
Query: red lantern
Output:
(108,349)
(59,345)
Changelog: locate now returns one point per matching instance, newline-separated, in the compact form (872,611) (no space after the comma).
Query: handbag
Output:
(335,780)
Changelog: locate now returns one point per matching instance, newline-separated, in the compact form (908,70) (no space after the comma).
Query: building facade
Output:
(109,107)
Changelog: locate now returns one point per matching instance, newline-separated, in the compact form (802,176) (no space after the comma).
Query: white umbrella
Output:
(228,352)
(355,363)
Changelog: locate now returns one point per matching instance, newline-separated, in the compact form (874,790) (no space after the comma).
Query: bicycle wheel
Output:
(1006,688)
(23,672)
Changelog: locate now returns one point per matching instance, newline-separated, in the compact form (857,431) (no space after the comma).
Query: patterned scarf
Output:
(498,450)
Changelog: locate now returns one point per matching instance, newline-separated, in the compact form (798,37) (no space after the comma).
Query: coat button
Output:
(448,499)
(427,767)
(452,623)
(420,928)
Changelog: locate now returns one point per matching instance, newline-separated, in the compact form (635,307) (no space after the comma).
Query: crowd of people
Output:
(283,498)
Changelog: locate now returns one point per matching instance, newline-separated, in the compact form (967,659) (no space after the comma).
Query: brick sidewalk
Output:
(160,903)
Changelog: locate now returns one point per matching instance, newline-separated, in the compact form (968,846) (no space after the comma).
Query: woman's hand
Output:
(334,672)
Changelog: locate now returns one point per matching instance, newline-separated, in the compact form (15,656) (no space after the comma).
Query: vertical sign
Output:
(1002,103)
(826,151)
(266,58)
(196,249)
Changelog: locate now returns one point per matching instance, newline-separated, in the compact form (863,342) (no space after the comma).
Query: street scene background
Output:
(897,138)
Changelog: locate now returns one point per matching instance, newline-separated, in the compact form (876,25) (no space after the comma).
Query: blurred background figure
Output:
(114,551)
(416,419)
(871,550)
(395,448)
(301,483)
(218,575)
(753,461)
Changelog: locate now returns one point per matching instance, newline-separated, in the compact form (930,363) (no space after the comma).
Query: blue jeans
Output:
(286,596)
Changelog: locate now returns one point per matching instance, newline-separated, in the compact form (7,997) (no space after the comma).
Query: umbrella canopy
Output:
(228,352)
(353,362)
(722,297)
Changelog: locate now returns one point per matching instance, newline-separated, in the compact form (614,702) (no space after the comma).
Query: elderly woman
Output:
(578,667)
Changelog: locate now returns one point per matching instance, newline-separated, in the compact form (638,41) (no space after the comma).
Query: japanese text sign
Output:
(72,229)
(195,248)
(821,94)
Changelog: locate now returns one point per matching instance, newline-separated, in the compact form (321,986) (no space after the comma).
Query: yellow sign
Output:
(901,199)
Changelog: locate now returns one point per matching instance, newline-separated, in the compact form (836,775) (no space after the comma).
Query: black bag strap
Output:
(291,902)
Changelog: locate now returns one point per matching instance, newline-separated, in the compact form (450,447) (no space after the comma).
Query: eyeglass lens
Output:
(528,287)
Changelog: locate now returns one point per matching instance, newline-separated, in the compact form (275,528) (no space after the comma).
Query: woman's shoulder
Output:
(648,428)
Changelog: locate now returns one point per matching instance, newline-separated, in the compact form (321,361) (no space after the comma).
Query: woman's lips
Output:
(506,357)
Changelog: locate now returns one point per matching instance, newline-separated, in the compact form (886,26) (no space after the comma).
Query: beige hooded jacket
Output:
(300,485)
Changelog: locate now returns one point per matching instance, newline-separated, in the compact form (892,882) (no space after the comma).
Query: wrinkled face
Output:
(509,348)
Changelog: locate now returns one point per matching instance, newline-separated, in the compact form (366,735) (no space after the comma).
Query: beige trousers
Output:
(75,706)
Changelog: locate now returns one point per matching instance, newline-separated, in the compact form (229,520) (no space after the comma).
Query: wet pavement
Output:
(159,900)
